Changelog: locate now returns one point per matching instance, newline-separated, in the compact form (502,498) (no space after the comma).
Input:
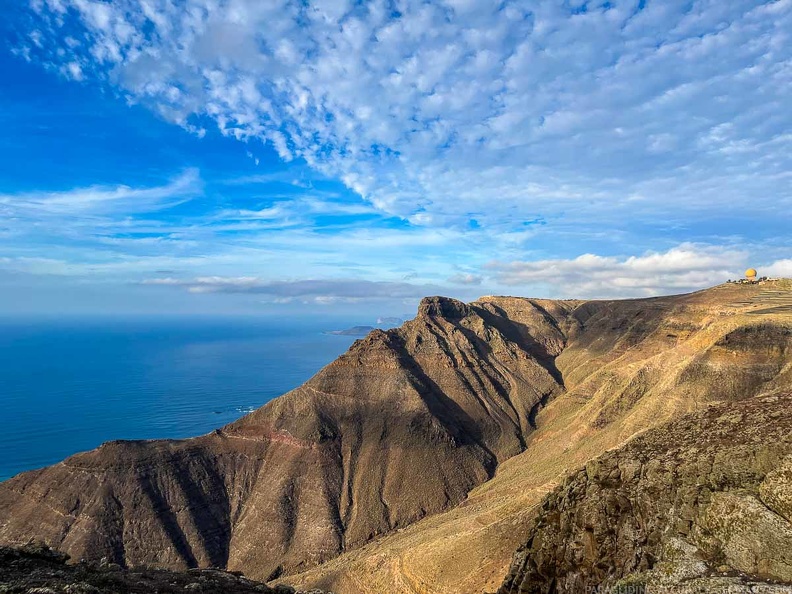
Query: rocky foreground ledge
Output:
(699,505)
(37,569)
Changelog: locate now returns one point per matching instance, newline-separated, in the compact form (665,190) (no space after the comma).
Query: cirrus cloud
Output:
(322,291)
(104,200)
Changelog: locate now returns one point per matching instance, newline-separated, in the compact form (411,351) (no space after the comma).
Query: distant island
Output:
(353,331)
(382,323)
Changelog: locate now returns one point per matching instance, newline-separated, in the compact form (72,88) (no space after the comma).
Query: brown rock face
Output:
(406,425)
(36,569)
(401,426)
(702,496)
(626,366)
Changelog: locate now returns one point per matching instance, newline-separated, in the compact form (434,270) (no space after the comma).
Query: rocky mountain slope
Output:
(627,366)
(702,503)
(36,569)
(434,406)
(475,411)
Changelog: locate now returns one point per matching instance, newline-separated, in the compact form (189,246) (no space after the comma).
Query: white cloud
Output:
(471,108)
(779,268)
(100,227)
(72,70)
(105,199)
(299,209)
(323,291)
(465,279)
(682,268)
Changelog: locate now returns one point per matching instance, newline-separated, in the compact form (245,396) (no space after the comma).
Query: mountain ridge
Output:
(448,404)
(320,433)
(469,548)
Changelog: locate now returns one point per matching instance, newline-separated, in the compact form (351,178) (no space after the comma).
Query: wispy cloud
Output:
(685,267)
(105,199)
(319,291)
(465,279)
(779,268)
(299,209)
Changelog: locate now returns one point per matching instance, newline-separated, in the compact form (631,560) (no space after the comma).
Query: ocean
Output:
(68,385)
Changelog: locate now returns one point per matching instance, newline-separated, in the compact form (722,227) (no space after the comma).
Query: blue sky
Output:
(267,157)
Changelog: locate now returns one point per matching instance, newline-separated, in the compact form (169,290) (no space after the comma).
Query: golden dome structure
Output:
(750,274)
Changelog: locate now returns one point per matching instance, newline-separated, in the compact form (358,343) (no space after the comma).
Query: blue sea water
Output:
(69,385)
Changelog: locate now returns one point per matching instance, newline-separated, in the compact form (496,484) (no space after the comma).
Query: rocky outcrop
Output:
(701,502)
(36,569)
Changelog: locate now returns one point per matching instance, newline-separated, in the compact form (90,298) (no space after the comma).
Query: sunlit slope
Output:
(699,505)
(627,366)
